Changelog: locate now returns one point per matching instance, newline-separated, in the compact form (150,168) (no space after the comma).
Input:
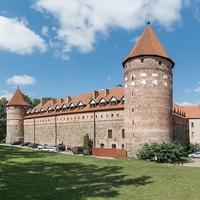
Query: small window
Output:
(102,145)
(132,109)
(160,62)
(102,104)
(109,133)
(142,60)
(80,107)
(192,134)
(192,124)
(122,146)
(123,133)
(93,105)
(113,146)
(132,78)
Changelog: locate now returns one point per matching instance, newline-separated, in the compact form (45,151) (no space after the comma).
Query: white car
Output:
(194,155)
(50,149)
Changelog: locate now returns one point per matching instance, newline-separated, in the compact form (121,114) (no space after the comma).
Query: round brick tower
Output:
(16,109)
(148,93)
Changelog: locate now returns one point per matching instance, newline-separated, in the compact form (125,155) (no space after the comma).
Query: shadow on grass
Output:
(9,152)
(52,180)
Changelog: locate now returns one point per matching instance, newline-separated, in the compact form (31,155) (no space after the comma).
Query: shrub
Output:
(164,152)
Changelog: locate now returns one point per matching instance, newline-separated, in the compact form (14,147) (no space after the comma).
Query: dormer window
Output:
(72,106)
(57,108)
(102,103)
(50,110)
(32,112)
(42,111)
(122,100)
(113,101)
(36,111)
(80,105)
(64,107)
(92,104)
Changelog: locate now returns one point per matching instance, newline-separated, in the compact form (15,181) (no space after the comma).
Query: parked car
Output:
(33,145)
(25,143)
(50,149)
(42,146)
(60,147)
(87,151)
(194,155)
(16,143)
(77,150)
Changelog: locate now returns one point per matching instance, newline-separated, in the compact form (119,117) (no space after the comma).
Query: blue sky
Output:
(66,47)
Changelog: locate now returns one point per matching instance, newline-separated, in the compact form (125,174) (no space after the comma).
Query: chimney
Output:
(95,94)
(43,101)
(106,91)
(53,101)
(68,99)
(61,100)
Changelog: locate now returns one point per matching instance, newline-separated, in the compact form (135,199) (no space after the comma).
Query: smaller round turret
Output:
(16,109)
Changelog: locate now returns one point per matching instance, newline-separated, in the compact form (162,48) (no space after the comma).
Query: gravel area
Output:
(195,163)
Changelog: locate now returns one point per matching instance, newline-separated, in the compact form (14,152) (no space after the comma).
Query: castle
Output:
(121,117)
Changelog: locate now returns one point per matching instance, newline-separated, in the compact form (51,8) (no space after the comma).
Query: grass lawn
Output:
(34,175)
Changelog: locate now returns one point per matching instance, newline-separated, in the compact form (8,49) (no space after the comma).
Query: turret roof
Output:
(17,99)
(148,44)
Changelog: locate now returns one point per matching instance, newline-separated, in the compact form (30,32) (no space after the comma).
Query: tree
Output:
(86,141)
(3,103)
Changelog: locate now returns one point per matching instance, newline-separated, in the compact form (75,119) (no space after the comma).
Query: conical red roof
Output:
(148,44)
(17,99)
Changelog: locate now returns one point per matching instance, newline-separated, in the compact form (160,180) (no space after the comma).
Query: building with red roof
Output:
(123,117)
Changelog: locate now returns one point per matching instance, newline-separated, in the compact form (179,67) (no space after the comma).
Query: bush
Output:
(164,152)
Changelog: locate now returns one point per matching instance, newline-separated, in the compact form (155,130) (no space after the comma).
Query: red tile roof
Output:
(17,99)
(190,112)
(148,44)
(117,92)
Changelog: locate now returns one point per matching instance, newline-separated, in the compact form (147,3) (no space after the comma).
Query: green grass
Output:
(34,175)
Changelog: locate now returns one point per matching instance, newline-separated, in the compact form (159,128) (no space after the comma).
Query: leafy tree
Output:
(86,143)
(35,102)
(3,103)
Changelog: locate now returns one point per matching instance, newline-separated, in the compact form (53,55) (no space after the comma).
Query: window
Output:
(160,62)
(113,146)
(92,105)
(123,133)
(109,133)
(112,103)
(192,124)
(122,146)
(192,134)
(80,107)
(102,104)
(102,145)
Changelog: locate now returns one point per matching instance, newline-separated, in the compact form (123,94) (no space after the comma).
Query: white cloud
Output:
(45,31)
(197,89)
(81,22)
(15,37)
(6,94)
(109,78)
(185,103)
(21,80)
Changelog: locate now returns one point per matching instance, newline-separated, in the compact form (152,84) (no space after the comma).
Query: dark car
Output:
(77,150)
(16,143)
(87,151)
(60,147)
(25,143)
(33,145)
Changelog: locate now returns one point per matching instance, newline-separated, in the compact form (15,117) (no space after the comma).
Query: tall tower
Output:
(16,109)
(148,93)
